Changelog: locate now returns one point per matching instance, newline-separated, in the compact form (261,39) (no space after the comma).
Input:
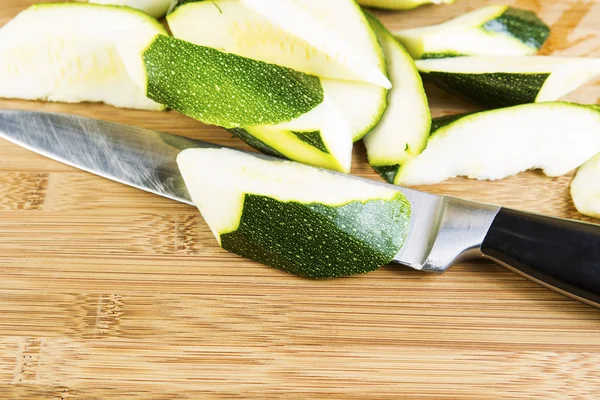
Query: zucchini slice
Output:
(155,8)
(69,52)
(232,27)
(508,81)
(402,132)
(554,137)
(321,137)
(337,45)
(303,220)
(361,104)
(585,188)
(493,30)
(400,4)
(336,28)
(268,105)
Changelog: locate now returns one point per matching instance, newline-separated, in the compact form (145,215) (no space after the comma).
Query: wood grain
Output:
(110,292)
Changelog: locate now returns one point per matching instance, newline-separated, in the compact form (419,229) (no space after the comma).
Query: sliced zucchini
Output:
(585,188)
(68,52)
(335,29)
(362,104)
(402,132)
(493,30)
(155,8)
(554,137)
(262,103)
(303,220)
(508,81)
(400,4)
(321,137)
(232,27)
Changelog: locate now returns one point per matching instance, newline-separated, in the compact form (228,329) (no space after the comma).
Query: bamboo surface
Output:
(110,292)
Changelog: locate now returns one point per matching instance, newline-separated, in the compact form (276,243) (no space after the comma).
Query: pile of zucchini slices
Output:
(304,80)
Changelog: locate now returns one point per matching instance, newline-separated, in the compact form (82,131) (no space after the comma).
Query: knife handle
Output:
(561,254)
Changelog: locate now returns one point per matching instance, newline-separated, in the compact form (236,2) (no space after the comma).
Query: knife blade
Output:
(443,230)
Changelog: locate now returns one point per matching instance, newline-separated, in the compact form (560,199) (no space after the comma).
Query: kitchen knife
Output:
(561,254)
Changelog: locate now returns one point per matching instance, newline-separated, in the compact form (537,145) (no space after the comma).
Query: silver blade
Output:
(146,159)
(137,157)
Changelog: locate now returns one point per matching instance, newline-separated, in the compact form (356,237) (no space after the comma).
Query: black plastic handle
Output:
(558,253)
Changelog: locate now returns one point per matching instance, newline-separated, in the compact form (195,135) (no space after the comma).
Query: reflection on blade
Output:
(134,156)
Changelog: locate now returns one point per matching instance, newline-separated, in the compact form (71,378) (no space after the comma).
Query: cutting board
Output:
(110,292)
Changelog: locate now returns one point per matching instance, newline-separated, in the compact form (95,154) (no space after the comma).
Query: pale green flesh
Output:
(402,132)
(464,35)
(334,134)
(73,54)
(361,104)
(306,221)
(585,188)
(337,27)
(232,27)
(554,137)
(505,81)
(155,8)
(256,29)
(400,4)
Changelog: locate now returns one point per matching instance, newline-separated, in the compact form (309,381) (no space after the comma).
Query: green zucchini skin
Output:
(318,241)
(432,56)
(387,172)
(313,138)
(224,89)
(497,81)
(179,3)
(523,25)
(493,90)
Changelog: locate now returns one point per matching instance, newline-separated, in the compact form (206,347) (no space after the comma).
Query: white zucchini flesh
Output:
(402,132)
(334,130)
(155,8)
(220,194)
(335,28)
(72,54)
(566,73)
(469,20)
(554,137)
(232,27)
(362,104)
(463,36)
(400,4)
(585,188)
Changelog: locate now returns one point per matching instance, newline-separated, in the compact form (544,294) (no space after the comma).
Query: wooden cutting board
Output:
(110,292)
